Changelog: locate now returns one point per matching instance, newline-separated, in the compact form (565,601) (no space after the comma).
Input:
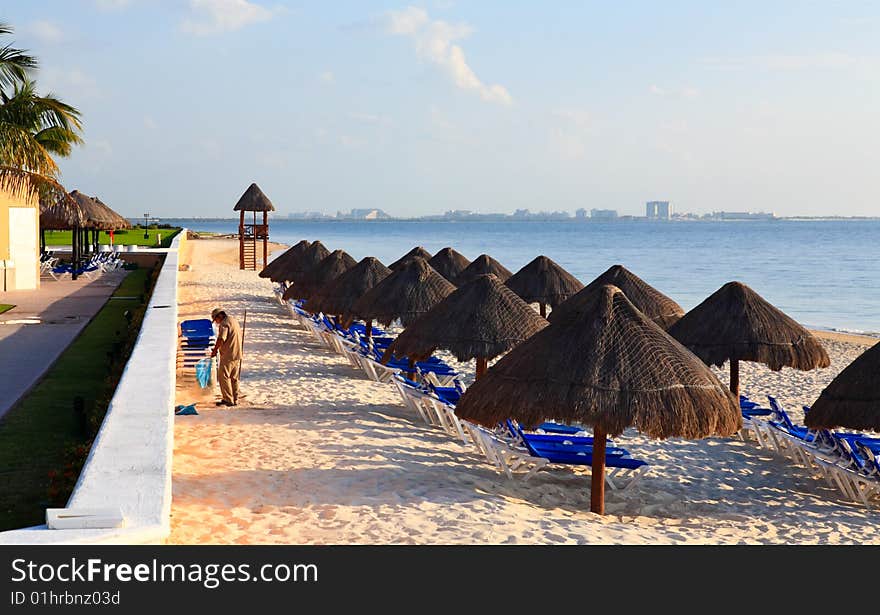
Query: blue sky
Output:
(490,106)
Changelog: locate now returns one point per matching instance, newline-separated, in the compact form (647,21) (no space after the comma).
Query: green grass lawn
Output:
(39,436)
(122,238)
(5,307)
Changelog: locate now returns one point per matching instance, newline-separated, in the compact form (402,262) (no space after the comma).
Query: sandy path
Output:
(318,454)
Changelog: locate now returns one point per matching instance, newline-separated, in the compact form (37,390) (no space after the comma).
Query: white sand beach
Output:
(317,454)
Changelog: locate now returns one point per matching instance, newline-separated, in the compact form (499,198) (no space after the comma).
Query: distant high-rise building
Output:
(581,214)
(658,210)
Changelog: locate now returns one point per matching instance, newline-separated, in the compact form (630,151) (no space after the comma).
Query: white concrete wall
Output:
(129,466)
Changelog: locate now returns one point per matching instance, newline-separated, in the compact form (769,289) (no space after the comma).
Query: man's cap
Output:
(216,312)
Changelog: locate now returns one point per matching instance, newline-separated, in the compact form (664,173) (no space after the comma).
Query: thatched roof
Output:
(610,367)
(482,319)
(280,261)
(417,252)
(61,214)
(482,265)
(852,400)
(543,281)
(98,216)
(299,267)
(449,263)
(340,295)
(406,294)
(122,222)
(253,199)
(654,304)
(735,322)
(334,264)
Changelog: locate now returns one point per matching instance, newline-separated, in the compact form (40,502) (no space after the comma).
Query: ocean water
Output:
(825,274)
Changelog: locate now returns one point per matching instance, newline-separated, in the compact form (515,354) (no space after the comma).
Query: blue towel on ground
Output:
(184,410)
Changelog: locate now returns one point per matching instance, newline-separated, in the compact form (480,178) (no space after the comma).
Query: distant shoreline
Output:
(489,218)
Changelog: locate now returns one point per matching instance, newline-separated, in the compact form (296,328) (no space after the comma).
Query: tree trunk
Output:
(597,485)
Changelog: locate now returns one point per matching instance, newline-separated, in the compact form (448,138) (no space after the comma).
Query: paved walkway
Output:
(44,322)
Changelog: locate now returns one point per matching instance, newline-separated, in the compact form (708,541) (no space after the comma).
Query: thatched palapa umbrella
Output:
(610,366)
(298,268)
(544,282)
(334,264)
(652,303)
(276,263)
(449,263)
(281,261)
(852,400)
(480,320)
(404,295)
(482,265)
(61,214)
(736,324)
(417,252)
(339,296)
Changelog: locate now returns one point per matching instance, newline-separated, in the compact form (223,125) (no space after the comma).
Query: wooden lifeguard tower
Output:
(249,235)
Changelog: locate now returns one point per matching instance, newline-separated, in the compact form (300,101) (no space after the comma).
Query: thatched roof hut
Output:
(480,320)
(652,303)
(121,222)
(61,214)
(544,282)
(340,295)
(482,265)
(281,260)
(299,267)
(253,199)
(417,252)
(406,294)
(449,263)
(98,216)
(334,264)
(608,366)
(852,400)
(736,324)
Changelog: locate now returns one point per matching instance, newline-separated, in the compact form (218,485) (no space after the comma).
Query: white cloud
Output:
(45,32)
(657,90)
(327,77)
(434,42)
(570,133)
(216,16)
(112,5)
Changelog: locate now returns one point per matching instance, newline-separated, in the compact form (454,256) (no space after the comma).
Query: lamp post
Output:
(146,224)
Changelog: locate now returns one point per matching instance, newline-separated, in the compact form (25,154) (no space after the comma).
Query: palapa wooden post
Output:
(241,240)
(543,308)
(597,480)
(482,366)
(265,238)
(734,378)
(411,374)
(368,330)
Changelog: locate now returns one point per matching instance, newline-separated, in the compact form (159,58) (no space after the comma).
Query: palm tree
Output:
(14,63)
(32,127)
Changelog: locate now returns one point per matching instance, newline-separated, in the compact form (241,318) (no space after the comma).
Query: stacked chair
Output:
(194,343)
(847,461)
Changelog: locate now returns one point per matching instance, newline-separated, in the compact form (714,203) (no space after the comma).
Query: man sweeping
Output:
(229,342)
